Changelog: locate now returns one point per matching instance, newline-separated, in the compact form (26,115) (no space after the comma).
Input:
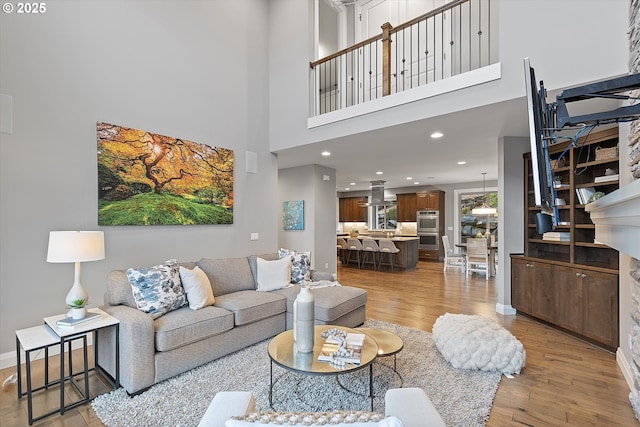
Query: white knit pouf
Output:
(477,342)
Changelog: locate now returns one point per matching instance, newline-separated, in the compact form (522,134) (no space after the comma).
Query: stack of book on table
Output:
(354,343)
(557,236)
(70,323)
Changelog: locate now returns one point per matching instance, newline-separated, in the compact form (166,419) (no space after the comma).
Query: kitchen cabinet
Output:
(407,207)
(429,255)
(352,209)
(433,200)
(583,301)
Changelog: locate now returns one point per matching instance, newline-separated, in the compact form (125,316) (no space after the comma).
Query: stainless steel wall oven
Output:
(428,229)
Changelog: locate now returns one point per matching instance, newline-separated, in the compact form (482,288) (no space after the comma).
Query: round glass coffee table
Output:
(282,353)
(389,344)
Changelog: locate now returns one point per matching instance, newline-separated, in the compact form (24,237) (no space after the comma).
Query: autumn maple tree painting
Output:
(150,179)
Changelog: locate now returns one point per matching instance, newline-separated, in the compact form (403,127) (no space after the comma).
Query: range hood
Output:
(377,195)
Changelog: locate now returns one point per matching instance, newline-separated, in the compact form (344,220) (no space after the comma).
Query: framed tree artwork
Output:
(150,179)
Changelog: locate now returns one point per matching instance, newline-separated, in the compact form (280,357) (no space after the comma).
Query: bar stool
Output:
(343,249)
(354,245)
(387,247)
(369,246)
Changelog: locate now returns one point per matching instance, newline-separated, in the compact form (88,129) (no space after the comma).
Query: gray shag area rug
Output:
(463,398)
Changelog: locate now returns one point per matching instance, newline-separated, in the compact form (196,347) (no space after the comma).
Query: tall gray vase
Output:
(303,320)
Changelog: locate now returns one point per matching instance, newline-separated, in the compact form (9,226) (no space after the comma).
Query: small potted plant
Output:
(78,308)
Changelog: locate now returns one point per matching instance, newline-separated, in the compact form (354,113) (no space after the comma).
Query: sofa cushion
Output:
(330,418)
(186,326)
(250,306)
(228,275)
(119,289)
(331,302)
(157,290)
(273,275)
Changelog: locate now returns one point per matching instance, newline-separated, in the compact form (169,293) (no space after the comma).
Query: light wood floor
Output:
(566,382)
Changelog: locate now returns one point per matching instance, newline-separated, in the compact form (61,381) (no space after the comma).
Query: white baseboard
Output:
(625,367)
(8,360)
(506,310)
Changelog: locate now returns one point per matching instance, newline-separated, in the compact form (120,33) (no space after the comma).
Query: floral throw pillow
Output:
(300,265)
(157,290)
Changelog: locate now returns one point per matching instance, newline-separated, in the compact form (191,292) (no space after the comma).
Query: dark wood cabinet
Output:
(352,209)
(600,305)
(583,301)
(407,207)
(429,255)
(571,283)
(521,284)
(542,292)
(433,200)
(569,293)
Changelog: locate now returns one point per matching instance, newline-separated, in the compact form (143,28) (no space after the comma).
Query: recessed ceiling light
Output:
(416,183)
(352,183)
(409,178)
(326,153)
(462,162)
(437,135)
(379,173)
(347,189)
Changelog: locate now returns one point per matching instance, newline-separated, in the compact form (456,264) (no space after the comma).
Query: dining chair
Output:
(478,256)
(389,248)
(354,246)
(451,258)
(369,246)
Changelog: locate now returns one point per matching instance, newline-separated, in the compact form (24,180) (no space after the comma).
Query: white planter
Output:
(78,313)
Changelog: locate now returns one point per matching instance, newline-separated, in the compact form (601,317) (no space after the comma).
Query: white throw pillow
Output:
(197,286)
(273,274)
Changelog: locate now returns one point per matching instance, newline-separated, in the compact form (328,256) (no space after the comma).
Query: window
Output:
(466,223)
(383,217)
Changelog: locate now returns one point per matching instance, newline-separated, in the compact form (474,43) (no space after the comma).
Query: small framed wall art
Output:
(293,215)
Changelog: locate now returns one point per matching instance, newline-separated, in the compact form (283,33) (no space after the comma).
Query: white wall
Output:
(570,42)
(167,67)
(308,183)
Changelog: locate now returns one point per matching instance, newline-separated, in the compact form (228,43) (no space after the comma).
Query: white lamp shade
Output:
(75,246)
(483,210)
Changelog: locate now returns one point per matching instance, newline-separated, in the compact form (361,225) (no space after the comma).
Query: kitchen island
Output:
(407,258)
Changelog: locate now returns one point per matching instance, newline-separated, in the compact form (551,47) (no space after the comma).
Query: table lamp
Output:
(77,247)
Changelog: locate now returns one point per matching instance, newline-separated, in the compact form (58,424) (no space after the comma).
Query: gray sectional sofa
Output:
(152,350)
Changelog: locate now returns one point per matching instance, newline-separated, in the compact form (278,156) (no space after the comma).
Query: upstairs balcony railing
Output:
(453,39)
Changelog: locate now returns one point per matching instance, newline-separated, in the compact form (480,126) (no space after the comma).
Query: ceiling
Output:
(408,151)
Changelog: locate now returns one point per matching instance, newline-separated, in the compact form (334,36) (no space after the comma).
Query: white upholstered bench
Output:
(410,406)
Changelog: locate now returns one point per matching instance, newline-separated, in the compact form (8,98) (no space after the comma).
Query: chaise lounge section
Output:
(153,350)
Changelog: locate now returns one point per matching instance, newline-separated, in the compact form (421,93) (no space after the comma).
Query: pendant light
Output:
(484,209)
